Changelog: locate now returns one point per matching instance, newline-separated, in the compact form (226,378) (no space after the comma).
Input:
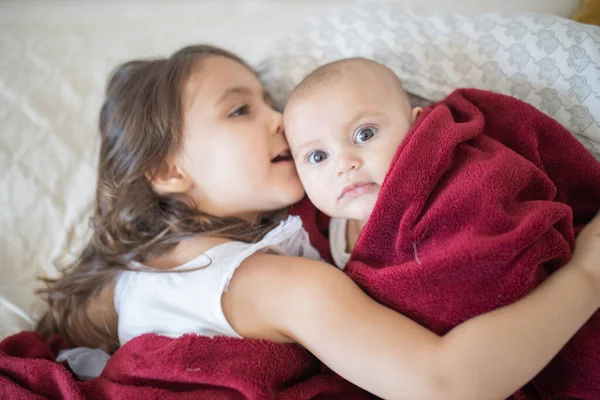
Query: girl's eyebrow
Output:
(244,91)
(234,90)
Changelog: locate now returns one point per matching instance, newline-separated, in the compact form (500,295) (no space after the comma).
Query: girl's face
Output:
(234,150)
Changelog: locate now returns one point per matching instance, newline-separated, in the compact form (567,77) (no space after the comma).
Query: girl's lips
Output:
(283,156)
(357,189)
(283,161)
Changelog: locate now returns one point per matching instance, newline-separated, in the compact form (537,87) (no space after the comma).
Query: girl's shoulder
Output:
(266,290)
(289,238)
(185,251)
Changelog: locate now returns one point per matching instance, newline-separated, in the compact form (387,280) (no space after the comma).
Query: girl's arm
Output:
(489,356)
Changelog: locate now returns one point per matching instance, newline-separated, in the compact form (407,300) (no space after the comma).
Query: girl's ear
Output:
(169,178)
(415,113)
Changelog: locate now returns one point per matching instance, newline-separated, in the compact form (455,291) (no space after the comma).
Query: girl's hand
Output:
(587,252)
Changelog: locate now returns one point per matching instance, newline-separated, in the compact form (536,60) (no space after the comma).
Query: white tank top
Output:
(187,299)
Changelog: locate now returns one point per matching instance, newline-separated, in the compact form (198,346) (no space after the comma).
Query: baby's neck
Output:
(353,229)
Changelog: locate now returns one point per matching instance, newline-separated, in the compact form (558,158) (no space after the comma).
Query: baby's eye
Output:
(316,157)
(241,110)
(364,134)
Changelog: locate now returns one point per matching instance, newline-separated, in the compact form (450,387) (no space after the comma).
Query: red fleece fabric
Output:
(158,367)
(482,202)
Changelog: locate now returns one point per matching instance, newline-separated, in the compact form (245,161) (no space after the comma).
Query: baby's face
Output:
(343,138)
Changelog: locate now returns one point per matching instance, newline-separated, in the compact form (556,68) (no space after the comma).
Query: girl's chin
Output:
(295,195)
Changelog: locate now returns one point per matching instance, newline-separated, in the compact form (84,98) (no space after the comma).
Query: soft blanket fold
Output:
(158,367)
(482,201)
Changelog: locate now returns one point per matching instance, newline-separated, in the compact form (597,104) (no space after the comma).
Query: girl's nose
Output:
(277,123)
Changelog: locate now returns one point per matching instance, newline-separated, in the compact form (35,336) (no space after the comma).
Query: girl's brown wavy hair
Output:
(141,125)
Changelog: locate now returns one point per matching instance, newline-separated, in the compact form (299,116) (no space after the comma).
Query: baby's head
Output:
(344,123)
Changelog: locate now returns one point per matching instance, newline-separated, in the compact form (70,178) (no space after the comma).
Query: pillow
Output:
(549,62)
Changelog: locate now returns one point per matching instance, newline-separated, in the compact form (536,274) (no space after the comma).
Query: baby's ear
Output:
(415,113)
(169,178)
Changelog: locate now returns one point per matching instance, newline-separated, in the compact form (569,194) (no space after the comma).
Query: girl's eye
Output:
(241,110)
(316,157)
(364,134)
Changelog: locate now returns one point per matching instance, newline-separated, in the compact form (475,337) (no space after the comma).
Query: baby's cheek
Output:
(311,185)
(319,193)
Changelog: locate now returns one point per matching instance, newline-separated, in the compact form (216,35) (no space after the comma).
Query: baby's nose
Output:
(347,163)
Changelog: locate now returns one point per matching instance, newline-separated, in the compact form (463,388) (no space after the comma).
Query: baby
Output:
(343,147)
(468,212)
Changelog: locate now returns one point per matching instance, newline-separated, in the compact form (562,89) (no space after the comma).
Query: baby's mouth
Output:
(357,189)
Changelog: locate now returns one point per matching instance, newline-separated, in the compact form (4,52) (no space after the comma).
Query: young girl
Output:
(194,172)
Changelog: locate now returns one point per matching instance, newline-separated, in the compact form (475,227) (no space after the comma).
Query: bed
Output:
(55,59)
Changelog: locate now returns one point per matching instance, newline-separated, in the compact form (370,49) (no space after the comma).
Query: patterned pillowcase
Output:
(549,62)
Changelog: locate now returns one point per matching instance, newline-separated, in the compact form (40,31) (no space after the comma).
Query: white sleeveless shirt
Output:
(187,299)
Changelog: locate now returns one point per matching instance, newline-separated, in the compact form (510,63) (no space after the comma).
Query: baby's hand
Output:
(587,251)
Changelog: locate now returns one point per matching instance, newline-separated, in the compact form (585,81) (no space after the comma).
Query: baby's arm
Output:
(489,356)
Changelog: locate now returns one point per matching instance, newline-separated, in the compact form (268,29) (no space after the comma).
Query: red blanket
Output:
(482,201)
(157,367)
(473,215)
